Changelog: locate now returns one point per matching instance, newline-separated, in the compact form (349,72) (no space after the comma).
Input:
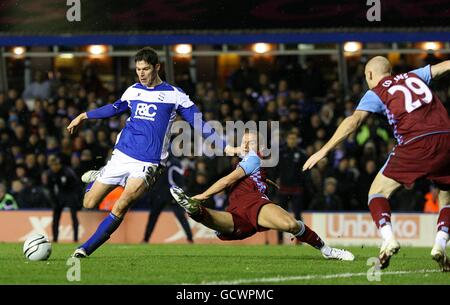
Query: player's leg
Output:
(438,253)
(272,216)
(157,205)
(380,191)
(217,220)
(57,210)
(75,223)
(134,188)
(96,194)
(180,215)
(92,198)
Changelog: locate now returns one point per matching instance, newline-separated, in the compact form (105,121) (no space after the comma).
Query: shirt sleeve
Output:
(184,100)
(250,164)
(371,102)
(110,110)
(424,73)
(190,113)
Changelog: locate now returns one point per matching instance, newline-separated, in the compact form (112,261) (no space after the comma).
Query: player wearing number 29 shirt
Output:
(421,126)
(414,112)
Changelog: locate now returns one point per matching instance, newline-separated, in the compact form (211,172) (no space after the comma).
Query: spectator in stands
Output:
(91,81)
(160,197)
(33,172)
(39,88)
(4,106)
(246,76)
(346,185)
(364,183)
(327,200)
(19,193)
(290,179)
(66,191)
(29,195)
(6,166)
(7,201)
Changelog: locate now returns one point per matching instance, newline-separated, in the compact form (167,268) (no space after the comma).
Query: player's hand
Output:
(314,159)
(76,122)
(231,151)
(200,197)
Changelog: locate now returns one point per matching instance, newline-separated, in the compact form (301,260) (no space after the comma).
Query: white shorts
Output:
(121,167)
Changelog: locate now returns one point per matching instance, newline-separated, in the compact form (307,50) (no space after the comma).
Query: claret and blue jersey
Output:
(255,175)
(412,110)
(146,134)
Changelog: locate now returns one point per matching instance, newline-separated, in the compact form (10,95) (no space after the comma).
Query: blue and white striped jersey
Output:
(146,135)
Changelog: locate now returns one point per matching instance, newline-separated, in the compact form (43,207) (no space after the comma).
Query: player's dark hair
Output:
(148,55)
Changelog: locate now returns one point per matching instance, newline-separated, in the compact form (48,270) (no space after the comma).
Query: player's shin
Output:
(104,231)
(381,215)
(308,236)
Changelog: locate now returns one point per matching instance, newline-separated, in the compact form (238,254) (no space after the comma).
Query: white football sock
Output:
(441,239)
(302,229)
(326,250)
(386,232)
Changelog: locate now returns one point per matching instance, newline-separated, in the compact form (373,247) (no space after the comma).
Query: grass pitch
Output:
(217,264)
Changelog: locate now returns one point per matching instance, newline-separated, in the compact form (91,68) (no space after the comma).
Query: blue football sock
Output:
(89,186)
(104,231)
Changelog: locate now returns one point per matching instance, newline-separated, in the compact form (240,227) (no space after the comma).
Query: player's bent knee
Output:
(89,202)
(119,210)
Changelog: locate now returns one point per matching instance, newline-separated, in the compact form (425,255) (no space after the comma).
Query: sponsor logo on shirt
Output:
(145,111)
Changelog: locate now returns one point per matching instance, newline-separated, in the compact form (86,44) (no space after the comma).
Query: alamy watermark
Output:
(73,274)
(210,138)
(374,272)
(74,11)
(374,12)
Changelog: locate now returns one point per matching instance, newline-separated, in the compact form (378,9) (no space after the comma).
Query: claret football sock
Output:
(380,210)
(200,215)
(310,237)
(104,231)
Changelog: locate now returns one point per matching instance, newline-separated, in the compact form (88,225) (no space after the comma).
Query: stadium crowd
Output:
(307,100)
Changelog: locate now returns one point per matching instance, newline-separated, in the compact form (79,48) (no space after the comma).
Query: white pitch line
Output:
(308,277)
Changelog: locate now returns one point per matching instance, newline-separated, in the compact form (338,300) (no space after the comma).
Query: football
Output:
(37,247)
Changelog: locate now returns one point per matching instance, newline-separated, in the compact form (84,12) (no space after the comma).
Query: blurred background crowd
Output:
(307,99)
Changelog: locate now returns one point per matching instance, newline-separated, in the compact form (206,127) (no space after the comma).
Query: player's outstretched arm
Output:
(347,127)
(440,69)
(76,122)
(106,111)
(222,184)
(232,151)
